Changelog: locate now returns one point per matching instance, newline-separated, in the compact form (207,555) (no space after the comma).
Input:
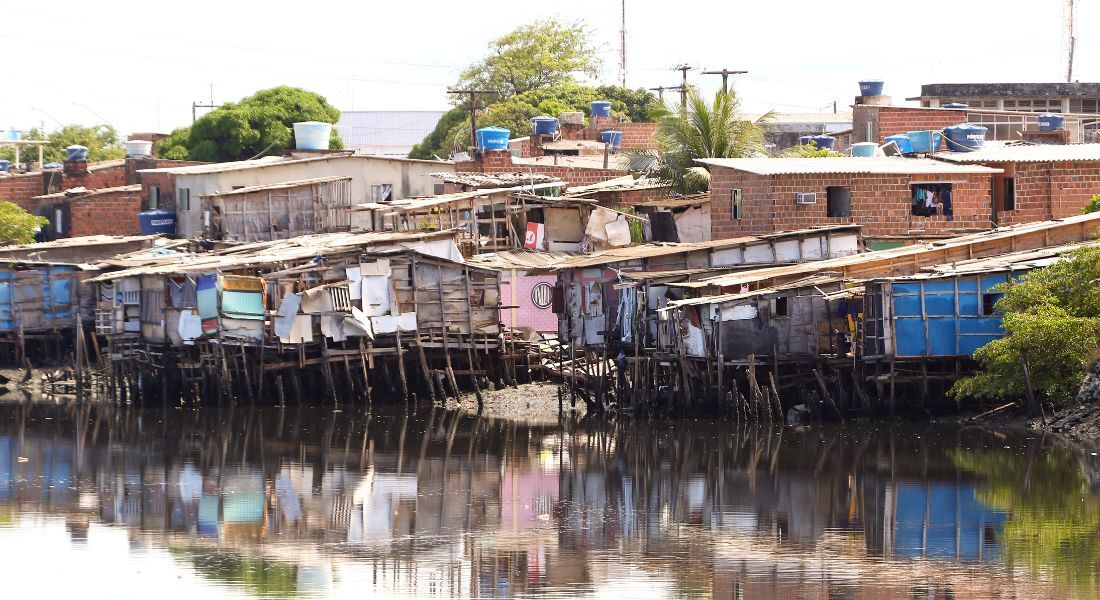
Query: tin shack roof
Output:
(888,165)
(492,180)
(521,259)
(1024,152)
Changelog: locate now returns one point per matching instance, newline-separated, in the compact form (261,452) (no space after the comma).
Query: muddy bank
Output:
(1081,421)
(531,402)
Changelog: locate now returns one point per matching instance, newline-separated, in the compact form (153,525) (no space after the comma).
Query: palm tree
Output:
(706,130)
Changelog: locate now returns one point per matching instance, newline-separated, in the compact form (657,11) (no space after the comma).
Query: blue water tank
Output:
(492,138)
(824,141)
(965,137)
(615,138)
(4,164)
(157,221)
(1051,122)
(13,134)
(52,165)
(312,135)
(925,141)
(956,105)
(76,152)
(864,149)
(870,87)
(805,139)
(600,108)
(545,125)
(902,142)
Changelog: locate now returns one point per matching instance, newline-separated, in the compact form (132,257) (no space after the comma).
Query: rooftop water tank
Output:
(139,148)
(902,142)
(965,137)
(805,139)
(545,125)
(864,149)
(4,164)
(925,141)
(12,134)
(870,87)
(614,138)
(152,222)
(312,135)
(492,138)
(76,152)
(600,108)
(956,105)
(1051,122)
(824,141)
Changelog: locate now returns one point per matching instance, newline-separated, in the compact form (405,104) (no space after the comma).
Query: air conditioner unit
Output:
(805,198)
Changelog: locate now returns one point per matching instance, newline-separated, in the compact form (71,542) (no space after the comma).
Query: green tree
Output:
(18,226)
(810,150)
(1052,317)
(1092,206)
(102,142)
(259,124)
(543,54)
(436,145)
(706,130)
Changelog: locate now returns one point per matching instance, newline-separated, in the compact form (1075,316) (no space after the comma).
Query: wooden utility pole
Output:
(472,94)
(622,47)
(725,73)
(661,90)
(683,69)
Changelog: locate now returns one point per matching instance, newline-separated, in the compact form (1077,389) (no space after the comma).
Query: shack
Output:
(527,280)
(278,211)
(683,219)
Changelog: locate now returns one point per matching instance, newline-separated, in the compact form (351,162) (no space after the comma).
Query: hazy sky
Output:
(139,65)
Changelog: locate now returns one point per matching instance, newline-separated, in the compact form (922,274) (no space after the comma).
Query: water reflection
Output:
(311,502)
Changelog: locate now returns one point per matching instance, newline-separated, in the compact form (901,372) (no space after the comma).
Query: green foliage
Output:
(260,576)
(258,124)
(706,130)
(541,55)
(102,141)
(1051,316)
(437,144)
(810,150)
(1054,517)
(1092,206)
(18,226)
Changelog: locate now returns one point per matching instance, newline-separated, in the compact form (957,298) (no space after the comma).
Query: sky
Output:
(139,66)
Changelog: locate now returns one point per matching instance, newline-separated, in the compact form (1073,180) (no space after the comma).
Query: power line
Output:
(473,94)
(725,73)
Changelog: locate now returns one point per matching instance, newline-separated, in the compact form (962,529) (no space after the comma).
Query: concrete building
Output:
(784,129)
(385,132)
(373,179)
(891,197)
(1073,97)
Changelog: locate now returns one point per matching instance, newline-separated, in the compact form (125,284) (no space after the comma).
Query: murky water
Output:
(184,503)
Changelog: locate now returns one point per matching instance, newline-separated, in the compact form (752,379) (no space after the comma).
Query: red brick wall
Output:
(106,213)
(893,120)
(166,182)
(501,162)
(1051,190)
(21,188)
(880,203)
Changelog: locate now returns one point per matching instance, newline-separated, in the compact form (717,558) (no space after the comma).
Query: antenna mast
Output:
(1071,36)
(622,47)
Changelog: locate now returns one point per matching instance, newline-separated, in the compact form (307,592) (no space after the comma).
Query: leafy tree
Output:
(1052,317)
(541,55)
(102,142)
(706,130)
(258,124)
(810,150)
(437,144)
(1093,205)
(18,226)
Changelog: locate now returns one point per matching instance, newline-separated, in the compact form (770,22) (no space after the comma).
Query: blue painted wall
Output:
(54,289)
(939,329)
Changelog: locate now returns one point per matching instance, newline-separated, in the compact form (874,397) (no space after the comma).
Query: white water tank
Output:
(139,148)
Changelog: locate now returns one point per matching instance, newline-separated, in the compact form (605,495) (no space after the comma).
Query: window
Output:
(838,201)
(779,307)
(735,203)
(1010,193)
(183,199)
(381,192)
(989,304)
(931,199)
(154,197)
(238,187)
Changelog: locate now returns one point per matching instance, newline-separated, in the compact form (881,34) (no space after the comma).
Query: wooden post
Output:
(401,368)
(825,392)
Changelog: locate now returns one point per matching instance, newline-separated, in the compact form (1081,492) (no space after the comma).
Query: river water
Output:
(117,502)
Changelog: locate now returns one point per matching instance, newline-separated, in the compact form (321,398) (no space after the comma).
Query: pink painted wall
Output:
(527,315)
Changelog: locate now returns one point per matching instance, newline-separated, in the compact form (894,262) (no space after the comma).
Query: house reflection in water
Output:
(447,505)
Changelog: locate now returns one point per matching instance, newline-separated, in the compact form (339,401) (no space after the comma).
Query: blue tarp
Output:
(49,288)
(931,318)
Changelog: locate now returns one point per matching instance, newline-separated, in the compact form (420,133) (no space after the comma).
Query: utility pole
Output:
(725,73)
(622,46)
(195,105)
(661,91)
(1071,36)
(472,94)
(683,69)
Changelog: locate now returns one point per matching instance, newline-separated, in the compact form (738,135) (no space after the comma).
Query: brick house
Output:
(574,170)
(1037,182)
(764,195)
(876,122)
(81,212)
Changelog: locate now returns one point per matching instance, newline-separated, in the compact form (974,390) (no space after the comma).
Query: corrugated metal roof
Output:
(845,165)
(1014,261)
(77,242)
(693,200)
(430,201)
(520,259)
(79,192)
(386,131)
(812,281)
(560,145)
(1025,153)
(273,161)
(493,179)
(624,183)
(277,186)
(618,162)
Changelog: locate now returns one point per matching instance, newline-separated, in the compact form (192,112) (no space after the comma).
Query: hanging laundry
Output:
(945,199)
